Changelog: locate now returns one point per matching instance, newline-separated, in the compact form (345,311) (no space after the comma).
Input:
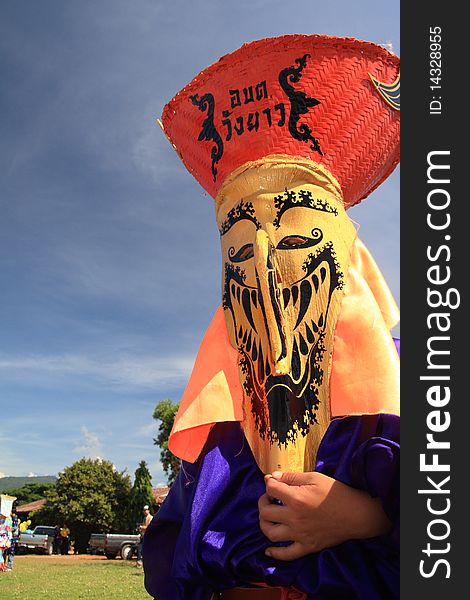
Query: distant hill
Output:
(12,483)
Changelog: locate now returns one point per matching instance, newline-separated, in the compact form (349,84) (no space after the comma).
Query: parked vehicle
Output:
(40,539)
(112,545)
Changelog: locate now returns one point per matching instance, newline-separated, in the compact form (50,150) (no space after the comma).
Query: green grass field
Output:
(64,577)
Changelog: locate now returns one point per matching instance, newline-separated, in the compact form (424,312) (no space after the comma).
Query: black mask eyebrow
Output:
(242,211)
(304,199)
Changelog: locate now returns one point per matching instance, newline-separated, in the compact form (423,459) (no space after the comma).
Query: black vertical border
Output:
(421,133)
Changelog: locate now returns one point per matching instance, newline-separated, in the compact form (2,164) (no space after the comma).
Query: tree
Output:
(141,494)
(30,492)
(90,496)
(165,412)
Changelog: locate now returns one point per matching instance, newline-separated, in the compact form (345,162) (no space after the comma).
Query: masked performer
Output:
(288,428)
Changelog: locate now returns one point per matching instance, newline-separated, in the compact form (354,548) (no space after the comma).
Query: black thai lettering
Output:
(261,90)
(234,98)
(248,95)
(267,112)
(253,121)
(282,110)
(227,123)
(240,128)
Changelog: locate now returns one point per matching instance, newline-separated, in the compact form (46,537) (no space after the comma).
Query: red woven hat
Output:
(332,100)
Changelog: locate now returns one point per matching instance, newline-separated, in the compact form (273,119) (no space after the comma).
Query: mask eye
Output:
(243,254)
(291,242)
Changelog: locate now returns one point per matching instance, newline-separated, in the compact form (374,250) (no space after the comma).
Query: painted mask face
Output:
(285,251)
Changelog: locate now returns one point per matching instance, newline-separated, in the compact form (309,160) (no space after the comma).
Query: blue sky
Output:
(109,252)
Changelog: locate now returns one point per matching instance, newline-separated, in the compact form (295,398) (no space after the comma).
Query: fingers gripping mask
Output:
(286,242)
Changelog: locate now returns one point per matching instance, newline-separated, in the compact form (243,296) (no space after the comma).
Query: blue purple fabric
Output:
(206,536)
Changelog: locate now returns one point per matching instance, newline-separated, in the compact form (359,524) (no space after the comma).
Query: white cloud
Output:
(17,463)
(147,430)
(90,446)
(2,474)
(133,371)
(388,45)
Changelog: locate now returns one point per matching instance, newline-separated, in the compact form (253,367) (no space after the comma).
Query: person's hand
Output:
(317,512)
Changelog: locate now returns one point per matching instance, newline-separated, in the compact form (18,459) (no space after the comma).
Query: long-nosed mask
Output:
(286,242)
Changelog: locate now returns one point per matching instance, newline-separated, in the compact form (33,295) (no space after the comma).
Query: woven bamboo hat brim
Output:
(312,96)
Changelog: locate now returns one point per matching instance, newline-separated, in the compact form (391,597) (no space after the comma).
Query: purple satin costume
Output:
(206,536)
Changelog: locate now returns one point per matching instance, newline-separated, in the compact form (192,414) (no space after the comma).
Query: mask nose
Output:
(269,300)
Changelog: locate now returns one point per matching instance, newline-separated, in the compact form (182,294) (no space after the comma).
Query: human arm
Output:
(317,512)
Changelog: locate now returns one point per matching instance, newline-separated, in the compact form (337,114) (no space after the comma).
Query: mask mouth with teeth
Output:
(292,397)
(286,241)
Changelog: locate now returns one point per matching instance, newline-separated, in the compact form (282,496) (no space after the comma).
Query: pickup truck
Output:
(112,545)
(41,539)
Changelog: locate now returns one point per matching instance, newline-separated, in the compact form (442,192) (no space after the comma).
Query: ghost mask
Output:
(286,242)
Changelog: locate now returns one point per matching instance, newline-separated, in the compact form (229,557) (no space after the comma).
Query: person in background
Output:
(142,529)
(15,536)
(5,540)
(24,525)
(73,548)
(65,539)
(57,540)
